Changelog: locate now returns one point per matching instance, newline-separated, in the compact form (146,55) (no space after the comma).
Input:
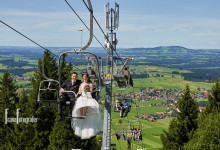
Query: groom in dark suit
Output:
(68,85)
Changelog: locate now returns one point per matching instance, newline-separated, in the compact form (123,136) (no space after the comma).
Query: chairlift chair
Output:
(95,73)
(96,81)
(48,102)
(123,77)
(92,70)
(118,102)
(117,105)
(45,101)
(53,102)
(140,137)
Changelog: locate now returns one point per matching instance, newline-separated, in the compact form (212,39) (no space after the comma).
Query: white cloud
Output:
(214,43)
(197,23)
(45,24)
(47,15)
(71,27)
(166,23)
(205,34)
(43,20)
(142,17)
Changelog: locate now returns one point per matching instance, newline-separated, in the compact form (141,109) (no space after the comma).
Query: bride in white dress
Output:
(89,109)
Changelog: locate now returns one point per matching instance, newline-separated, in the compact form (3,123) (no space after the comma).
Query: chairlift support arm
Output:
(91,24)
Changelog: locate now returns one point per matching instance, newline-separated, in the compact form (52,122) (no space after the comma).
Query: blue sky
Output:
(143,23)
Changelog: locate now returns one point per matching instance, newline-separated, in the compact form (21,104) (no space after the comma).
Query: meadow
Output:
(150,130)
(167,80)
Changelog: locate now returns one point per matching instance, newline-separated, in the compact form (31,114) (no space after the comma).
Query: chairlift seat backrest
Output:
(120,80)
(48,102)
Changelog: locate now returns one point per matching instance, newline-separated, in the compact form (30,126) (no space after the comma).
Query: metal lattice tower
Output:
(112,21)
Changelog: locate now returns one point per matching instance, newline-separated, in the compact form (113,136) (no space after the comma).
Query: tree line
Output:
(18,71)
(140,75)
(202,75)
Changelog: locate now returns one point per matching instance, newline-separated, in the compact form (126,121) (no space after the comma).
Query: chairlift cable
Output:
(32,40)
(85,24)
(26,37)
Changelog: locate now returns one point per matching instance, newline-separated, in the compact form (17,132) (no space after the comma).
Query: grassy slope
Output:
(151,130)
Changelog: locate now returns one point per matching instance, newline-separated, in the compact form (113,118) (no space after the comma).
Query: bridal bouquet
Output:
(87,88)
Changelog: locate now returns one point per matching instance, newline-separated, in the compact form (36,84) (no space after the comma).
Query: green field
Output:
(28,74)
(168,81)
(2,66)
(22,83)
(151,130)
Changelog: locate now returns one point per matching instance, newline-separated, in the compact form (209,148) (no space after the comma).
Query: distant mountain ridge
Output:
(174,56)
(167,56)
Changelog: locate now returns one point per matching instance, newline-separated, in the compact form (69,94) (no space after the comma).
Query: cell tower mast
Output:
(111,23)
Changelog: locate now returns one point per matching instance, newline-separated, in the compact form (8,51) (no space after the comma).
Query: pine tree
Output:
(182,128)
(8,98)
(214,99)
(188,112)
(23,102)
(8,91)
(91,144)
(62,136)
(207,136)
(45,116)
(24,130)
(65,69)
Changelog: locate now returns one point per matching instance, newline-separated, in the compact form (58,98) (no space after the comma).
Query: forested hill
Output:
(175,57)
(170,56)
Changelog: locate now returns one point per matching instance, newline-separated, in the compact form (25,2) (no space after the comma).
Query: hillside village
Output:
(21,78)
(171,98)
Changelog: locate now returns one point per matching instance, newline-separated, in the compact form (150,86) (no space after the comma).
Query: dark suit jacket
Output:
(67,85)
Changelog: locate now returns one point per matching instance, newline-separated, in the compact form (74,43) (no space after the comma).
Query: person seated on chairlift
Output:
(125,108)
(68,85)
(118,105)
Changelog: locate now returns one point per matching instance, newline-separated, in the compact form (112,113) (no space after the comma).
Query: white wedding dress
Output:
(92,124)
